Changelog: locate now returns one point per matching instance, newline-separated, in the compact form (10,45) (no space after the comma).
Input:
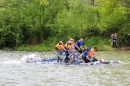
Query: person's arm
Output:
(88,58)
(63,48)
(116,37)
(82,48)
(94,54)
(84,45)
(98,52)
(73,47)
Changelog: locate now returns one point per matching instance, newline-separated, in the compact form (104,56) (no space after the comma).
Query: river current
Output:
(15,73)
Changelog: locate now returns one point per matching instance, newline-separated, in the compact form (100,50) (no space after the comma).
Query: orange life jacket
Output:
(59,46)
(68,46)
(91,53)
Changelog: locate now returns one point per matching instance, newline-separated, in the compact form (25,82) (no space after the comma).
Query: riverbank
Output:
(45,47)
(38,47)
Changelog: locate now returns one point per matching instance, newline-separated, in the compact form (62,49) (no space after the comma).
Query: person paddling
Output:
(70,51)
(91,57)
(79,44)
(59,47)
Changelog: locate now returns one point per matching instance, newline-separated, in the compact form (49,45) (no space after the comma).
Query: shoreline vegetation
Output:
(38,25)
(45,48)
(42,47)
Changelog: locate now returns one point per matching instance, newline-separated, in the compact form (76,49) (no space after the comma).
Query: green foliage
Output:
(7,49)
(32,22)
(94,41)
(39,47)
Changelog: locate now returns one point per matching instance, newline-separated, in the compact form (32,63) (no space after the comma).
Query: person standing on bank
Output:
(114,41)
(128,38)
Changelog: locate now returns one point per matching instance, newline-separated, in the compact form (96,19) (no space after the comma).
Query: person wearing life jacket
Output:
(67,46)
(91,57)
(59,47)
(70,50)
(68,41)
(78,45)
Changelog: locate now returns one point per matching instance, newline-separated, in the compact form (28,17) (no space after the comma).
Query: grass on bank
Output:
(42,47)
(50,45)
(99,43)
(94,41)
(39,47)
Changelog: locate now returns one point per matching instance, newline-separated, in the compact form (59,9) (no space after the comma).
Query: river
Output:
(15,73)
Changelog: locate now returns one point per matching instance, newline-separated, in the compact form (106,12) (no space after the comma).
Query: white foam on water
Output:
(32,58)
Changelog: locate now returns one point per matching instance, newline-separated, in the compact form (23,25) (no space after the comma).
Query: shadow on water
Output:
(15,73)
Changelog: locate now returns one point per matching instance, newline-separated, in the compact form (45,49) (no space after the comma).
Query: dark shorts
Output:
(86,60)
(80,51)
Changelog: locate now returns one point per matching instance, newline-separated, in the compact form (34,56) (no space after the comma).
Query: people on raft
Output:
(89,55)
(79,44)
(70,49)
(59,47)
